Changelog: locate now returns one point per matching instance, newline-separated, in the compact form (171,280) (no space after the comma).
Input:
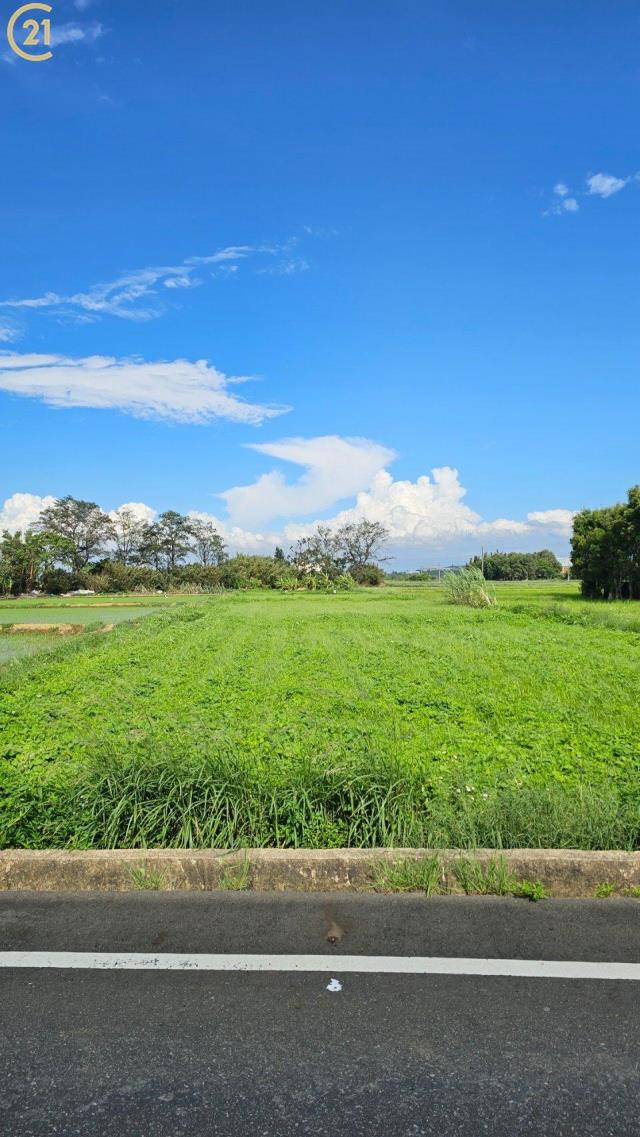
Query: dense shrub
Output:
(244,571)
(370,575)
(55,581)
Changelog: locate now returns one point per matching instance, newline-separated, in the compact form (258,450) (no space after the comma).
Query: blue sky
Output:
(412,227)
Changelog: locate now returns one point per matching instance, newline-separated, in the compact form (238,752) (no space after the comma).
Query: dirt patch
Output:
(59,629)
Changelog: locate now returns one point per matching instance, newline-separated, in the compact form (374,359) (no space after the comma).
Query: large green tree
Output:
(208,546)
(335,551)
(24,558)
(168,541)
(128,531)
(83,526)
(605,549)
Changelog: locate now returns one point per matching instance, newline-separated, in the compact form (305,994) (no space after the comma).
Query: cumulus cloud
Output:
(8,334)
(138,295)
(22,510)
(335,468)
(138,510)
(429,512)
(605,185)
(565,203)
(559,521)
(597,185)
(238,539)
(178,389)
(425,517)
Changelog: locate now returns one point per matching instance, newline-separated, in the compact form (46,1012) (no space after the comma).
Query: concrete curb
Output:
(563,872)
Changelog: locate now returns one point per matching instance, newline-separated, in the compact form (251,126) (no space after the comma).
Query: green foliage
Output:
(421,875)
(604,890)
(543,565)
(245,572)
(81,528)
(334,552)
(492,878)
(147,880)
(26,558)
(605,549)
(235,878)
(468,587)
(370,575)
(470,875)
(533,890)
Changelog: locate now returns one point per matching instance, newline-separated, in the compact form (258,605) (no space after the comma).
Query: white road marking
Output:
(332,964)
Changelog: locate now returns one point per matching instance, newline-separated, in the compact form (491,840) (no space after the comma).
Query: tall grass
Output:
(204,801)
(469,587)
(625,617)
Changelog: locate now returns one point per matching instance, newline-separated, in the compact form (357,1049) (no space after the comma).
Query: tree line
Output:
(75,544)
(605,549)
(543,565)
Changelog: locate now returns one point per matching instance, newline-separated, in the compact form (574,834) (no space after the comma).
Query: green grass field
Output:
(374,717)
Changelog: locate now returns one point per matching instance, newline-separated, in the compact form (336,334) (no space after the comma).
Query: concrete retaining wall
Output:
(563,872)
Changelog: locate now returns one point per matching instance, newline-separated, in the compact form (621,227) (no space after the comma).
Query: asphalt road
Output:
(250,1054)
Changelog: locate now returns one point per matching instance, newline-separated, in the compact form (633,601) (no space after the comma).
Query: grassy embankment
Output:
(375,717)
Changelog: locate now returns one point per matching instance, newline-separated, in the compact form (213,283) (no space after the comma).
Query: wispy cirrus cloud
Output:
(72,33)
(75,33)
(179,390)
(143,294)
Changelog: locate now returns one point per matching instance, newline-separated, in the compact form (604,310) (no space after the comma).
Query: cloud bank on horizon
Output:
(428,515)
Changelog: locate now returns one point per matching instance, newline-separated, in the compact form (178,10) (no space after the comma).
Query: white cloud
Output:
(238,539)
(178,390)
(426,518)
(138,510)
(336,468)
(566,204)
(605,185)
(8,334)
(597,185)
(21,510)
(141,294)
(429,511)
(75,33)
(558,520)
